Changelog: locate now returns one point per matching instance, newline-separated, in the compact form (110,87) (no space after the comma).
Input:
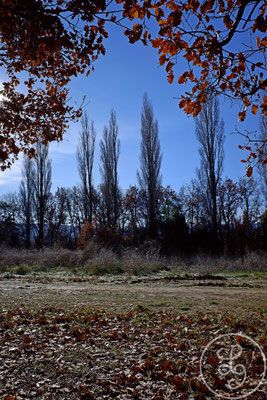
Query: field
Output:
(125,337)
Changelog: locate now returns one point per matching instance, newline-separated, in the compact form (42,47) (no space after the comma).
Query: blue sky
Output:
(119,81)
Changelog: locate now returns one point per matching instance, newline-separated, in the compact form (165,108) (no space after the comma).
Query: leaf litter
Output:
(53,353)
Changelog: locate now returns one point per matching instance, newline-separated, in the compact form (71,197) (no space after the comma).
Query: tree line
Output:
(212,213)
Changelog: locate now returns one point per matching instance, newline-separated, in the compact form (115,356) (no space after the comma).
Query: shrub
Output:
(106,262)
(23,269)
(96,260)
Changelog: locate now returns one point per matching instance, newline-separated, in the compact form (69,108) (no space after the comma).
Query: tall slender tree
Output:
(262,165)
(26,198)
(85,158)
(132,211)
(149,177)
(42,183)
(249,200)
(9,228)
(109,156)
(191,201)
(229,200)
(210,134)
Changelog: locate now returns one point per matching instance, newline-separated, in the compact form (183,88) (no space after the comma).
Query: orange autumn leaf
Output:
(162,59)
(170,76)
(197,109)
(191,75)
(182,79)
(169,66)
(249,172)
(51,50)
(182,103)
(254,109)
(246,101)
(242,115)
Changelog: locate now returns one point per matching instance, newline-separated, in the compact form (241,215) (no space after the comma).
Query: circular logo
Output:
(233,366)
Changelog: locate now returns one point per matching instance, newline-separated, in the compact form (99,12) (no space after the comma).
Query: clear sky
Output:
(119,81)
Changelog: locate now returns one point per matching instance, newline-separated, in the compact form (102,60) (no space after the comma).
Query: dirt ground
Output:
(120,294)
(126,338)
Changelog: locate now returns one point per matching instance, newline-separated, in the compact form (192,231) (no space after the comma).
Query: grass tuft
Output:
(94,260)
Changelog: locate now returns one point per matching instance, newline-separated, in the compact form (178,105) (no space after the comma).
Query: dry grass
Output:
(94,260)
(22,261)
(132,262)
(250,262)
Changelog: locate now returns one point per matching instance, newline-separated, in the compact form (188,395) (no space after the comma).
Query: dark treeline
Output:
(211,214)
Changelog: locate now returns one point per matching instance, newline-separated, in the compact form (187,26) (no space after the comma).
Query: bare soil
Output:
(122,293)
(126,338)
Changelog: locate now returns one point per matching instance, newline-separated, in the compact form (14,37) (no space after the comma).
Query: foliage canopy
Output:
(46,43)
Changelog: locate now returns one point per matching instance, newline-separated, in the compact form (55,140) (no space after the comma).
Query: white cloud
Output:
(69,142)
(10,178)
(64,147)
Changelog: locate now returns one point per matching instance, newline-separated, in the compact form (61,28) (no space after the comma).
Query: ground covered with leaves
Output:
(51,351)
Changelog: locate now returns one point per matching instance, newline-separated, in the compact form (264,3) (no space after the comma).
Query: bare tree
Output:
(26,198)
(149,177)
(74,208)
(41,188)
(9,210)
(210,134)
(57,223)
(110,151)
(250,203)
(192,204)
(229,200)
(85,158)
(262,166)
(132,211)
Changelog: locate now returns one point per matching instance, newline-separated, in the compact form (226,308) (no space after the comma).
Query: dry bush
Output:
(90,251)
(38,260)
(98,261)
(105,262)
(251,262)
(135,263)
(63,258)
(150,249)
(254,261)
